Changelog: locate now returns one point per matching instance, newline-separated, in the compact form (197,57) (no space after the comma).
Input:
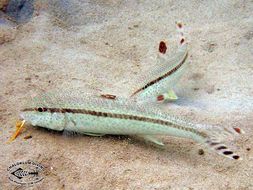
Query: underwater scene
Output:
(121,94)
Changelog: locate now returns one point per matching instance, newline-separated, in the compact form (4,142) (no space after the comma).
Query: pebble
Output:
(201,152)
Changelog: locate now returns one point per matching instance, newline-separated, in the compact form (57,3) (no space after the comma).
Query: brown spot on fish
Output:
(236,157)
(160,98)
(237,129)
(227,152)
(221,147)
(108,96)
(162,47)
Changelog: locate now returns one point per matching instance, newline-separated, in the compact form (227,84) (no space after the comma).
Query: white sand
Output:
(101,48)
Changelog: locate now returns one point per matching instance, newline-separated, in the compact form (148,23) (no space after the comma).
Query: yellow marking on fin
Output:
(169,96)
(172,95)
(19,126)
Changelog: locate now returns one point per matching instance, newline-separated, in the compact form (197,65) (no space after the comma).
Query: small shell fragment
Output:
(28,137)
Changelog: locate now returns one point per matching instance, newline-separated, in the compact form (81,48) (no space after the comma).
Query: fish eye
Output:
(40,109)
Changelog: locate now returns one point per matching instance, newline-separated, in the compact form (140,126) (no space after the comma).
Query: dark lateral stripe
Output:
(118,116)
(170,72)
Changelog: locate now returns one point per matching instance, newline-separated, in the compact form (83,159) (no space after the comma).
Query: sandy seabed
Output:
(101,47)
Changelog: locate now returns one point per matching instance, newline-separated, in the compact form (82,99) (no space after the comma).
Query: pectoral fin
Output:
(152,139)
(170,96)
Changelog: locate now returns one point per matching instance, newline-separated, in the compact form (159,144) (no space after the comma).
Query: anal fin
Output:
(152,139)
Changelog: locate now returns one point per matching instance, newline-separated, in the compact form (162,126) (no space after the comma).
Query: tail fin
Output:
(222,149)
(216,136)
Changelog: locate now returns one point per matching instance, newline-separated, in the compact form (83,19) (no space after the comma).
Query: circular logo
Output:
(25,173)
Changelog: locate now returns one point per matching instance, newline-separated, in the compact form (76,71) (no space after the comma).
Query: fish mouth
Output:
(21,116)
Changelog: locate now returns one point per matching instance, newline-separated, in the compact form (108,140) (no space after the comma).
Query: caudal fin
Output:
(218,136)
(222,149)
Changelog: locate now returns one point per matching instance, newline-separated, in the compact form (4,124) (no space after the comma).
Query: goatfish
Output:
(157,84)
(97,116)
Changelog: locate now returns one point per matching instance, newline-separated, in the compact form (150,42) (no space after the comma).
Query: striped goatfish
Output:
(97,117)
(158,83)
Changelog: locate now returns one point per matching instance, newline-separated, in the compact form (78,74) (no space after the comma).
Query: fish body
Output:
(91,115)
(102,116)
(164,76)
